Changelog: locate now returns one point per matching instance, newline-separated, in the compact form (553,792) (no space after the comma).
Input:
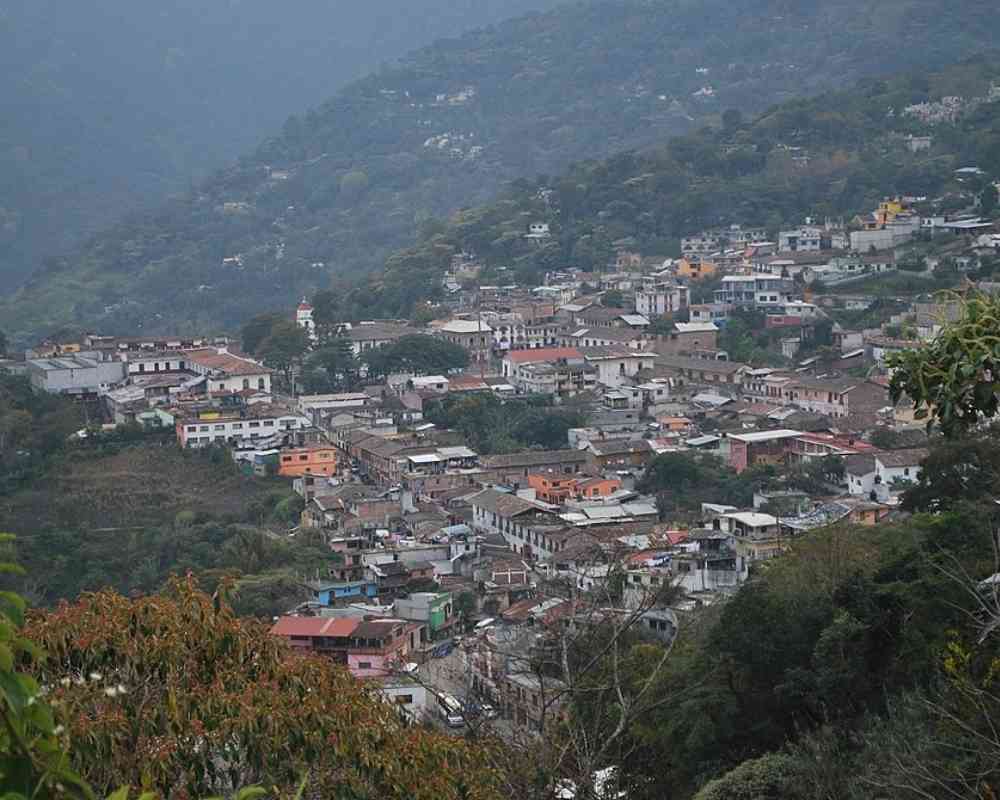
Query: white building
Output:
(616,366)
(225,372)
(876,473)
(661,298)
(431,383)
(808,238)
(74,374)
(246,427)
(760,291)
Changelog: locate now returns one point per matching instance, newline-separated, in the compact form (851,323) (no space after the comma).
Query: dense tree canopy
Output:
(493,425)
(416,353)
(954,380)
(174,693)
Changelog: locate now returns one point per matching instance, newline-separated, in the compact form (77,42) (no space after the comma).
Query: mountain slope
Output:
(830,156)
(114,104)
(342,186)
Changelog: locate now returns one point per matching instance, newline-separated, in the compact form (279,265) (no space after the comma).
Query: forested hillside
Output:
(834,155)
(112,105)
(344,185)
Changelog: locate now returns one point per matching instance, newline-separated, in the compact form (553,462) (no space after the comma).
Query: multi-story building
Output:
(688,337)
(308,461)
(661,297)
(759,447)
(516,467)
(716,313)
(434,610)
(695,268)
(835,397)
(700,370)
(473,335)
(246,425)
(757,536)
(371,648)
(806,238)
(755,291)
(555,371)
(615,365)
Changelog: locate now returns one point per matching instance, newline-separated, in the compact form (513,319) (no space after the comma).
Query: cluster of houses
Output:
(436,542)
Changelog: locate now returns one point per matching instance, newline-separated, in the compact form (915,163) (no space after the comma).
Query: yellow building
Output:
(695,269)
(886,212)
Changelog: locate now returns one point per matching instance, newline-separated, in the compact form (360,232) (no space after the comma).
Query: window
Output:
(220,427)
(222,387)
(260,384)
(404,699)
(364,665)
(192,428)
(237,425)
(142,368)
(906,471)
(268,423)
(254,424)
(204,428)
(246,383)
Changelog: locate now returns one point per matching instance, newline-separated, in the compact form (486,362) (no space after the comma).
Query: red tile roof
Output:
(315,626)
(226,363)
(543,354)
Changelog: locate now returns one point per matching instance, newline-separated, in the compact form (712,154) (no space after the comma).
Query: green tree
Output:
(34,762)
(332,368)
(770,777)
(416,353)
(174,693)
(988,200)
(257,329)
(732,119)
(953,381)
(284,347)
(354,184)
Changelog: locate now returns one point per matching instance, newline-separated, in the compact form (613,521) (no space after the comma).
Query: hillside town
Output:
(456,564)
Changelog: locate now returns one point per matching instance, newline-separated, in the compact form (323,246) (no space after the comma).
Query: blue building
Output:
(344,592)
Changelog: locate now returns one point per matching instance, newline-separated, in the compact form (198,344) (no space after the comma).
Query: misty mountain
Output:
(111,105)
(342,186)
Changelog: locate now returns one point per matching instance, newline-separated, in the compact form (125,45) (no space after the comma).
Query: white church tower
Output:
(304,318)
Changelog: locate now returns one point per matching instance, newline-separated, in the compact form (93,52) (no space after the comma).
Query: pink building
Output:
(326,636)
(379,645)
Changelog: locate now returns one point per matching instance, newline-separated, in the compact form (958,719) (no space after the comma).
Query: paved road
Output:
(449,674)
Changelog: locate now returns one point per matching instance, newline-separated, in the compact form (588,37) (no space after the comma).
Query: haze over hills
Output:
(341,187)
(113,105)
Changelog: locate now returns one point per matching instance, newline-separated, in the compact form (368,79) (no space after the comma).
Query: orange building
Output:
(674,424)
(557,489)
(308,461)
(695,269)
(597,487)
